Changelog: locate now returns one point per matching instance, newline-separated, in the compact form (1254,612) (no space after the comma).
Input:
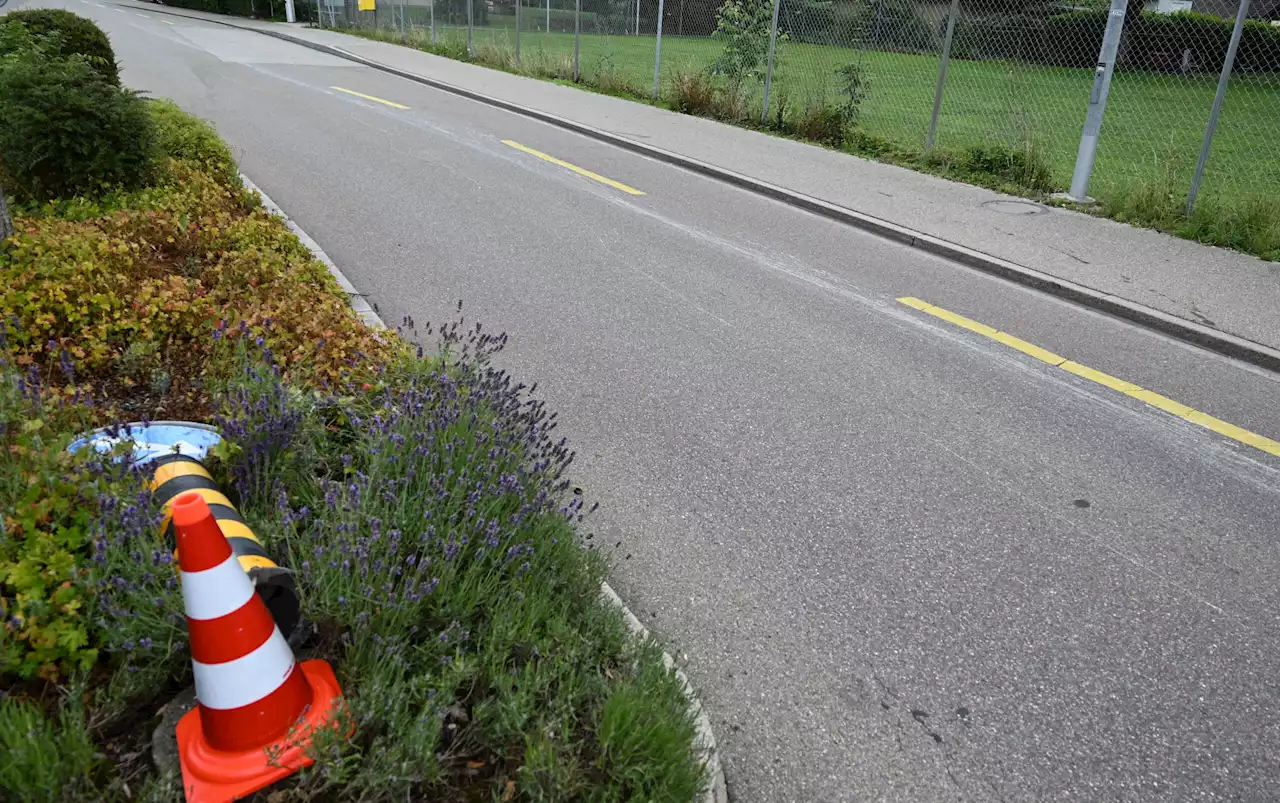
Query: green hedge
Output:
(74,34)
(1158,42)
(66,132)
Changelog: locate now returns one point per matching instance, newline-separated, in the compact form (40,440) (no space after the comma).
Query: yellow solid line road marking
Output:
(580,171)
(370,97)
(1106,380)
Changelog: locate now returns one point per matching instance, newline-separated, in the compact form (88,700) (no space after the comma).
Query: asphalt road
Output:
(902,561)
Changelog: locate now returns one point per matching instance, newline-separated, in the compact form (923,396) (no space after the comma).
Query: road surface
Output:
(901,560)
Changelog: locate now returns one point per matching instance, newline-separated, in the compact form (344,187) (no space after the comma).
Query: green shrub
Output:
(47,512)
(67,132)
(44,760)
(820,122)
(693,93)
(1022,167)
(160,272)
(895,25)
(188,138)
(1161,39)
(71,34)
(1072,40)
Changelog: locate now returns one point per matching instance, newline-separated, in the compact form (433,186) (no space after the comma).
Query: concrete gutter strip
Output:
(717,791)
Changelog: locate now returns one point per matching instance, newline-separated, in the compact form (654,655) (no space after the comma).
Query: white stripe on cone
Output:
(245,680)
(216,592)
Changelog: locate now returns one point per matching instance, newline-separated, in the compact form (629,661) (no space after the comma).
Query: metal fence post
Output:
(1216,110)
(637,17)
(942,73)
(657,54)
(1097,102)
(548,17)
(577,37)
(768,74)
(404,35)
(471,7)
(518,2)
(433,23)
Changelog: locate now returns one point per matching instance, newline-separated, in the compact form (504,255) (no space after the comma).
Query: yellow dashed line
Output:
(1044,355)
(1099,377)
(580,171)
(1106,380)
(392,104)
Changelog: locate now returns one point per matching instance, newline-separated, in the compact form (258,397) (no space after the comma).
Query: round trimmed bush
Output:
(74,34)
(66,132)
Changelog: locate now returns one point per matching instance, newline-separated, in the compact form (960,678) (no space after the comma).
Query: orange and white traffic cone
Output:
(257,706)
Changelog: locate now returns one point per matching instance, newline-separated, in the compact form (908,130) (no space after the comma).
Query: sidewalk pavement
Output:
(1216,288)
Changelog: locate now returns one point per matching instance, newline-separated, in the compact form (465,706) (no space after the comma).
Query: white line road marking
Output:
(144,16)
(166,22)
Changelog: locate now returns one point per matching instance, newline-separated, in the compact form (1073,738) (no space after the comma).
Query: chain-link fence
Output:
(959,79)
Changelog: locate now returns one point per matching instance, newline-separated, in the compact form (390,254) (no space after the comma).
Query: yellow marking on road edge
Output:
(370,97)
(1030,349)
(580,171)
(1152,398)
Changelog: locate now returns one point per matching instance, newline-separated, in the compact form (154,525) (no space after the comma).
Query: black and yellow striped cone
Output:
(174,474)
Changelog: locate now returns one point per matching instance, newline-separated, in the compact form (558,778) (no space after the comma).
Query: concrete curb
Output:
(1188,331)
(717,792)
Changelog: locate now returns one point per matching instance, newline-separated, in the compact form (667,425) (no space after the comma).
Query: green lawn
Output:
(1152,133)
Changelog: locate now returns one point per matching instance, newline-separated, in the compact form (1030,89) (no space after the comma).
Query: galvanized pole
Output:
(637,17)
(657,54)
(548,16)
(471,6)
(518,2)
(942,73)
(1216,110)
(1097,102)
(404,36)
(577,36)
(768,75)
(433,23)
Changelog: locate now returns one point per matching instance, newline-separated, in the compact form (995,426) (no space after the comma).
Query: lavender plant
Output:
(436,550)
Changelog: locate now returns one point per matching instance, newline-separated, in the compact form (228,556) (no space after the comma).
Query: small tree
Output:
(743,26)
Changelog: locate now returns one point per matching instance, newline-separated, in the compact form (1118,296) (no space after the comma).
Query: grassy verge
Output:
(421,498)
(1029,115)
